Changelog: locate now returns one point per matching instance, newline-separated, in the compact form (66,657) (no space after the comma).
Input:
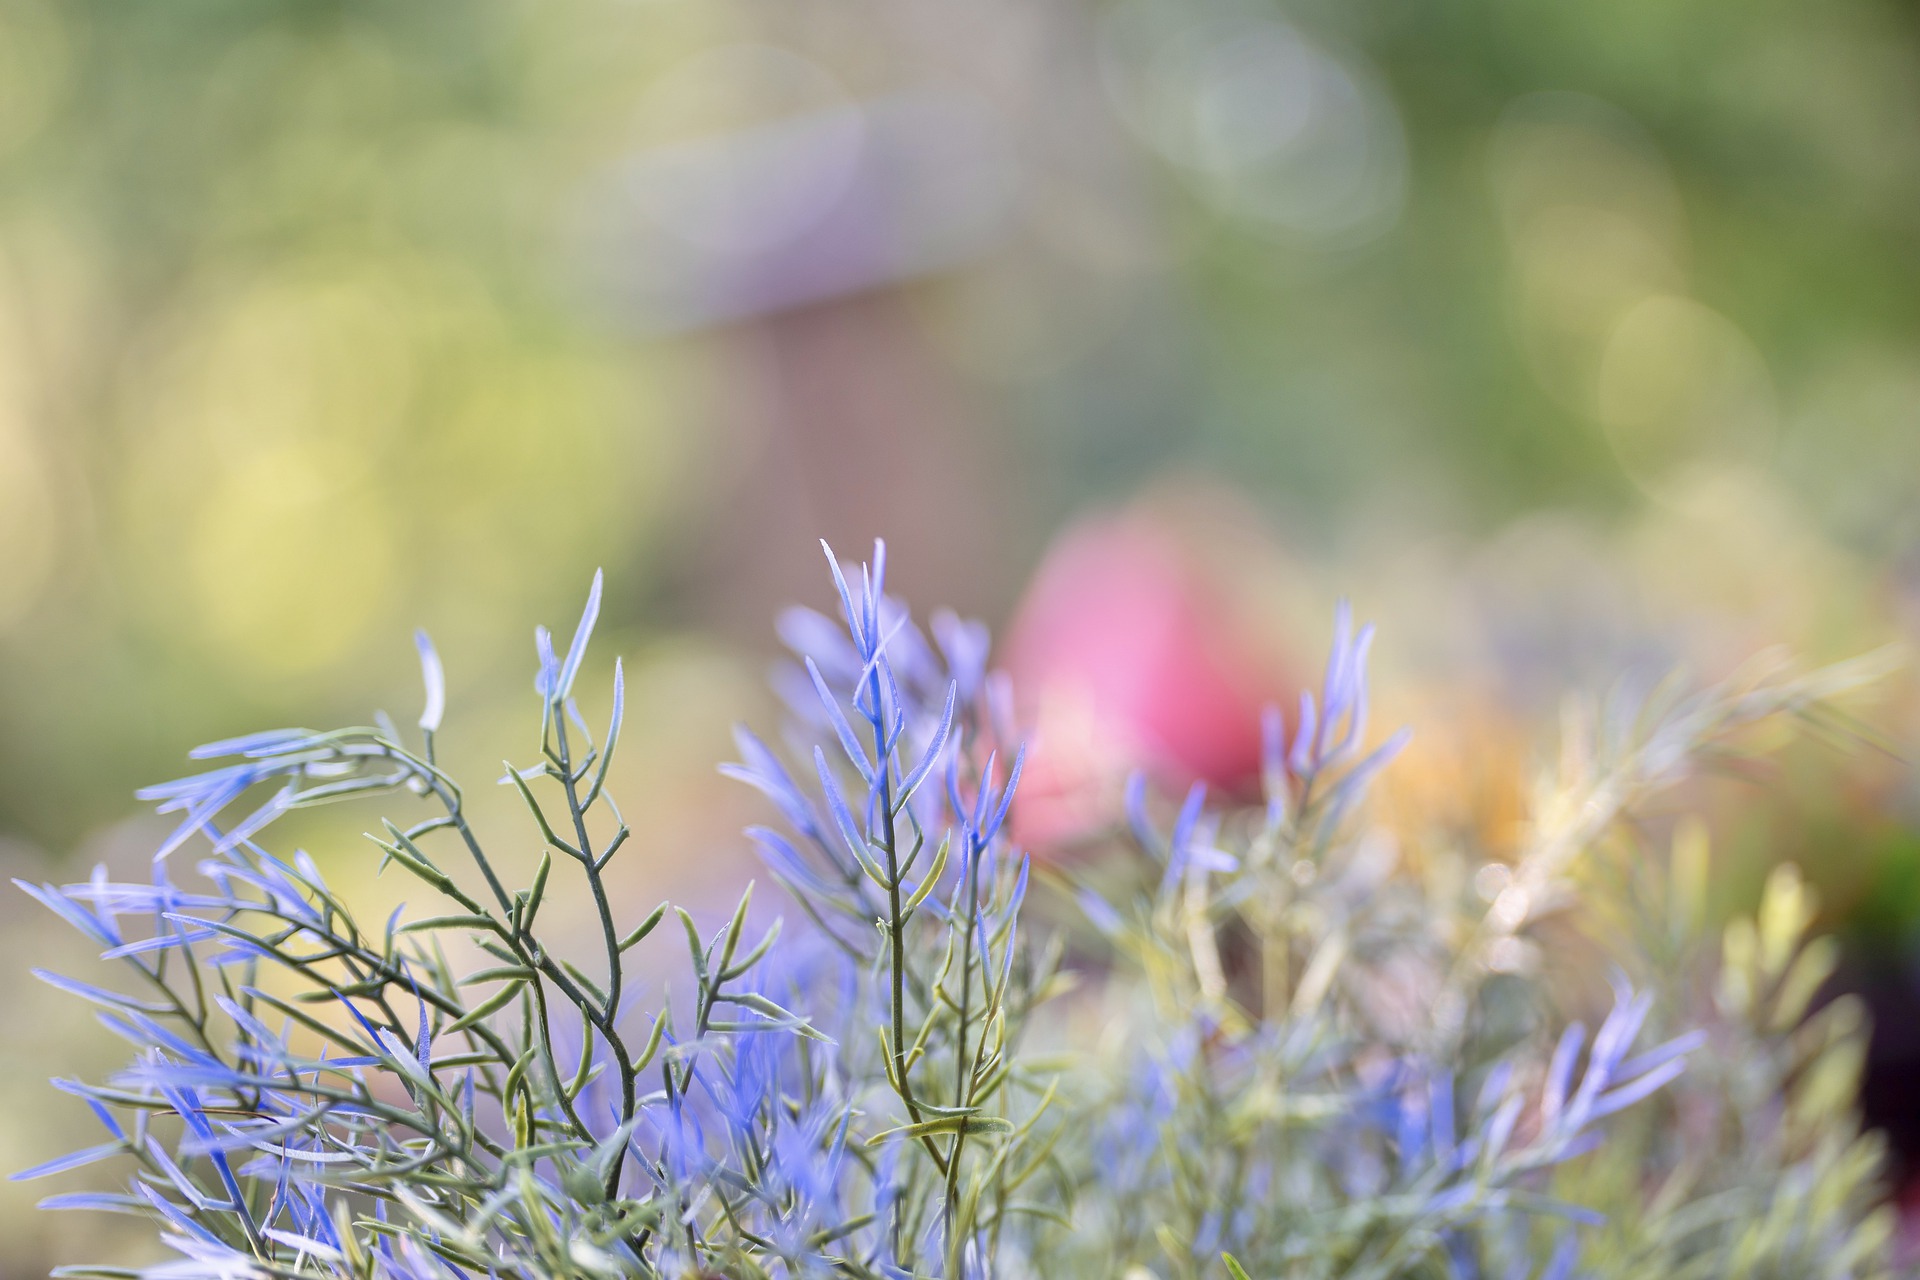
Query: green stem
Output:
(611,936)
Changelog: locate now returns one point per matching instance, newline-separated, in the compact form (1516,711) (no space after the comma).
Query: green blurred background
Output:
(1560,335)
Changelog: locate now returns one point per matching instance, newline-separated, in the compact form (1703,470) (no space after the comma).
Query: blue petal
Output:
(577,651)
(72,1160)
(434,677)
(248,743)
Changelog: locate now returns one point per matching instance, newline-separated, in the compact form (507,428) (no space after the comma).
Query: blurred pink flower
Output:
(1125,655)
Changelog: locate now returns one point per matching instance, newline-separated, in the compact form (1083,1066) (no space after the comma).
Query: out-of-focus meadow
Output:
(1568,340)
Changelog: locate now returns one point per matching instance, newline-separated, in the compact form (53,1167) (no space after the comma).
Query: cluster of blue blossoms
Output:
(466,1091)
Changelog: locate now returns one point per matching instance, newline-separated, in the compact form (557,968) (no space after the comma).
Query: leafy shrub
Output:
(1316,1058)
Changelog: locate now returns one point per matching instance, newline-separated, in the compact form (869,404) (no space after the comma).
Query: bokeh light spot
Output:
(289,567)
(1594,226)
(1681,388)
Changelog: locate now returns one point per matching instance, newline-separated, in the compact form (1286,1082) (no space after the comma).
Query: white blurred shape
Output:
(748,195)
(1266,125)
(1251,99)
(799,196)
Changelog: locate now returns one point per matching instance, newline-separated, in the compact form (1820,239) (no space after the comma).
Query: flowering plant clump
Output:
(1318,1055)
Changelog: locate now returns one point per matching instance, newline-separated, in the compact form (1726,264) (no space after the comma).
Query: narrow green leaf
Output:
(754,956)
(340,790)
(759,1004)
(425,870)
(493,1002)
(585,1072)
(539,814)
(1033,1209)
(930,881)
(509,972)
(733,929)
(449,922)
(693,944)
(945,1124)
(371,987)
(517,1072)
(538,891)
(653,1045)
(644,928)
(473,1059)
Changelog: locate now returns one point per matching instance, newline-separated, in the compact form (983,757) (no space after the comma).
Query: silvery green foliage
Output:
(1338,1066)
(315,1094)
(1305,1077)
(1755,1166)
